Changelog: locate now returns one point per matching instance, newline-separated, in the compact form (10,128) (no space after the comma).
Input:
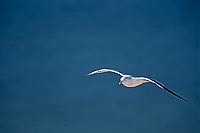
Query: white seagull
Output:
(130,81)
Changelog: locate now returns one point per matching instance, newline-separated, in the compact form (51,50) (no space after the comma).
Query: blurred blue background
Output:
(47,46)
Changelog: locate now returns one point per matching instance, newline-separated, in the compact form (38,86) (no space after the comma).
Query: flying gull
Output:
(130,81)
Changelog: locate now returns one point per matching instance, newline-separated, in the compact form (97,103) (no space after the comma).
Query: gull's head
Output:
(125,78)
(97,71)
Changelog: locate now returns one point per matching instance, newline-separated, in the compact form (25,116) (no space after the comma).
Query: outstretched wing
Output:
(105,70)
(165,88)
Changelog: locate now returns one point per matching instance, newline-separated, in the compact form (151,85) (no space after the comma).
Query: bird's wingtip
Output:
(88,74)
(186,100)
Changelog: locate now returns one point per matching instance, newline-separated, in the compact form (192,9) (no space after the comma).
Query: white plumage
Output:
(130,81)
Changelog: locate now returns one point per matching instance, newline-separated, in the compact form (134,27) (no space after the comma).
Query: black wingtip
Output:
(185,100)
(170,91)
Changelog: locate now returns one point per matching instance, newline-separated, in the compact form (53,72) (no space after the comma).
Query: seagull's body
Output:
(130,81)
